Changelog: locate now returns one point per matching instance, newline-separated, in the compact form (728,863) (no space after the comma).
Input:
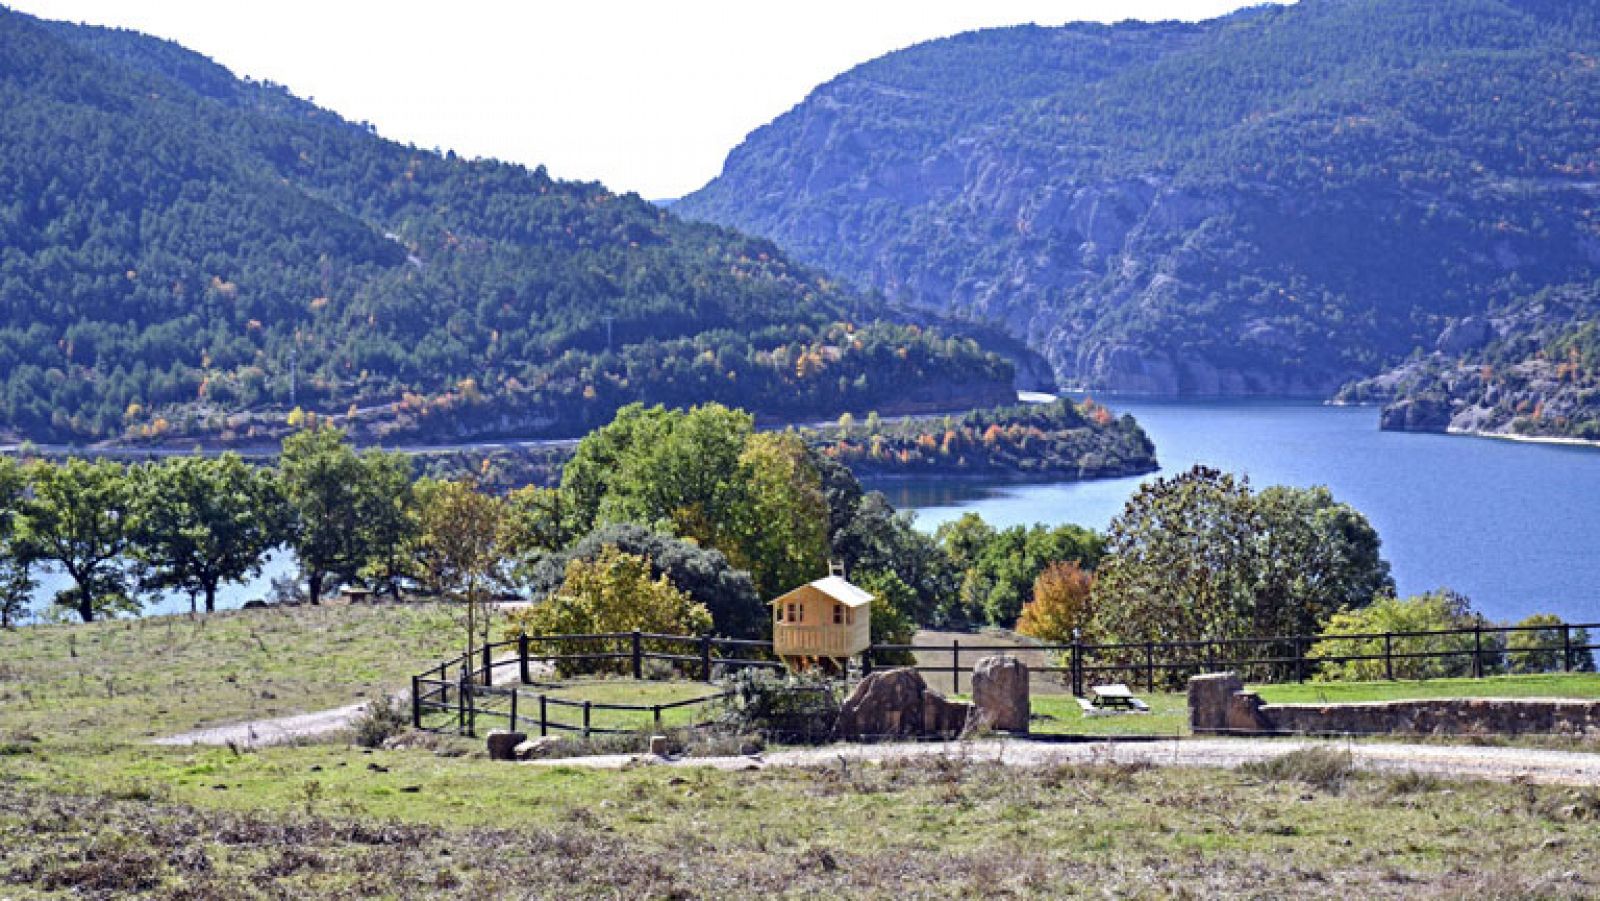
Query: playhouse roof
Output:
(837,588)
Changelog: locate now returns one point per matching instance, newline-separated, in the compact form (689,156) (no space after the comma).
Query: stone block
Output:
(503,744)
(1000,692)
(1209,698)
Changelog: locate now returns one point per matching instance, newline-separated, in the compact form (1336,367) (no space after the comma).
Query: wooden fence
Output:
(464,688)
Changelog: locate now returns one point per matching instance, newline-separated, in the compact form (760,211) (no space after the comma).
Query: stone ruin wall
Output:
(1219,705)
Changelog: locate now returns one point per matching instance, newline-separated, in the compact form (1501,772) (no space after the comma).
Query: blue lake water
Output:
(1514,526)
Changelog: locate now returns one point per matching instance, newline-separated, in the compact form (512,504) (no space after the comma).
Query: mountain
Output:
(185,255)
(1273,202)
(1531,370)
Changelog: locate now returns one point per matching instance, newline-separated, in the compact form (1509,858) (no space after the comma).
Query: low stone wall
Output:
(1219,705)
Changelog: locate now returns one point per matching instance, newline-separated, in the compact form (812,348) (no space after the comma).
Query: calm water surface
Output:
(1514,526)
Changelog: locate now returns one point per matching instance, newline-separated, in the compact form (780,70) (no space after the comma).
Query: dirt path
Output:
(276,731)
(283,729)
(1499,764)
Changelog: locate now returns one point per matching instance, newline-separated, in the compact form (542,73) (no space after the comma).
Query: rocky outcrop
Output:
(1000,693)
(897,703)
(1416,414)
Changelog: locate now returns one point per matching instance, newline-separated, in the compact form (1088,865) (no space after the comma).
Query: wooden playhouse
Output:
(821,624)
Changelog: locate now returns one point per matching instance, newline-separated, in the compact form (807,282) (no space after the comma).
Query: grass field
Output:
(86,809)
(1169,712)
(618,691)
(330,822)
(133,679)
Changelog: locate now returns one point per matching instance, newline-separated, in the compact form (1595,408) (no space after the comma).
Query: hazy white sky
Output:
(645,96)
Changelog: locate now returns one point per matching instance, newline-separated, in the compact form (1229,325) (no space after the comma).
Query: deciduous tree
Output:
(202,522)
(612,593)
(78,516)
(1062,604)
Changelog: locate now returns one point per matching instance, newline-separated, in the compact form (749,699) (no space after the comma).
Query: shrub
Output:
(1448,655)
(1324,768)
(383,719)
(801,709)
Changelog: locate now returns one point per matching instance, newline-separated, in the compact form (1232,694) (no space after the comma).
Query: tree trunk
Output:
(211,597)
(314,587)
(85,604)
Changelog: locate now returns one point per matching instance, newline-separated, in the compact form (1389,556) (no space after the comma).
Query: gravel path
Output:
(284,729)
(1500,764)
(255,733)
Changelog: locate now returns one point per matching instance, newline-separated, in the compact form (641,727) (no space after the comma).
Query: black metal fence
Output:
(1449,653)
(464,689)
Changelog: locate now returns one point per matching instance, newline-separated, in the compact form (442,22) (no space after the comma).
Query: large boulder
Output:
(1210,698)
(897,703)
(1000,693)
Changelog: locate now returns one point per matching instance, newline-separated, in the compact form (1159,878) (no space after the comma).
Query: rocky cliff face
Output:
(1529,371)
(1271,203)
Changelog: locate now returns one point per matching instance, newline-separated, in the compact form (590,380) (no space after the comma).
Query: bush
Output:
(1448,655)
(1324,768)
(796,709)
(383,719)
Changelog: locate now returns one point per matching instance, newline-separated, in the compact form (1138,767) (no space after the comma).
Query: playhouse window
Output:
(838,614)
(789,614)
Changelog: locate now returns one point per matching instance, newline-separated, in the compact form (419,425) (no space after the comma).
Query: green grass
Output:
(134,679)
(330,821)
(605,691)
(1552,685)
(86,809)
(1169,712)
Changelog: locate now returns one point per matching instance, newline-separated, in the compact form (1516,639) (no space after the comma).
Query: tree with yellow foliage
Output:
(1062,603)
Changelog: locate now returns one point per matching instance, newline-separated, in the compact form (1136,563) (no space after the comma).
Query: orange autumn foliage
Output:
(1062,603)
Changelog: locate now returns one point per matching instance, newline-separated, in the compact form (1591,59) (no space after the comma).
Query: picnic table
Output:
(1114,698)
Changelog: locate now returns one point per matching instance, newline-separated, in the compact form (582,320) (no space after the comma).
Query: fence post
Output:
(1077,668)
(1477,652)
(705,658)
(656,710)
(522,658)
(866,662)
(1150,666)
(1388,655)
(461,699)
(488,666)
(416,703)
(544,717)
(955,666)
(1299,658)
(638,657)
(1566,648)
(513,726)
(586,718)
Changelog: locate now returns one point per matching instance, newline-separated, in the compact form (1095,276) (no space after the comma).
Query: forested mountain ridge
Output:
(184,254)
(1273,202)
